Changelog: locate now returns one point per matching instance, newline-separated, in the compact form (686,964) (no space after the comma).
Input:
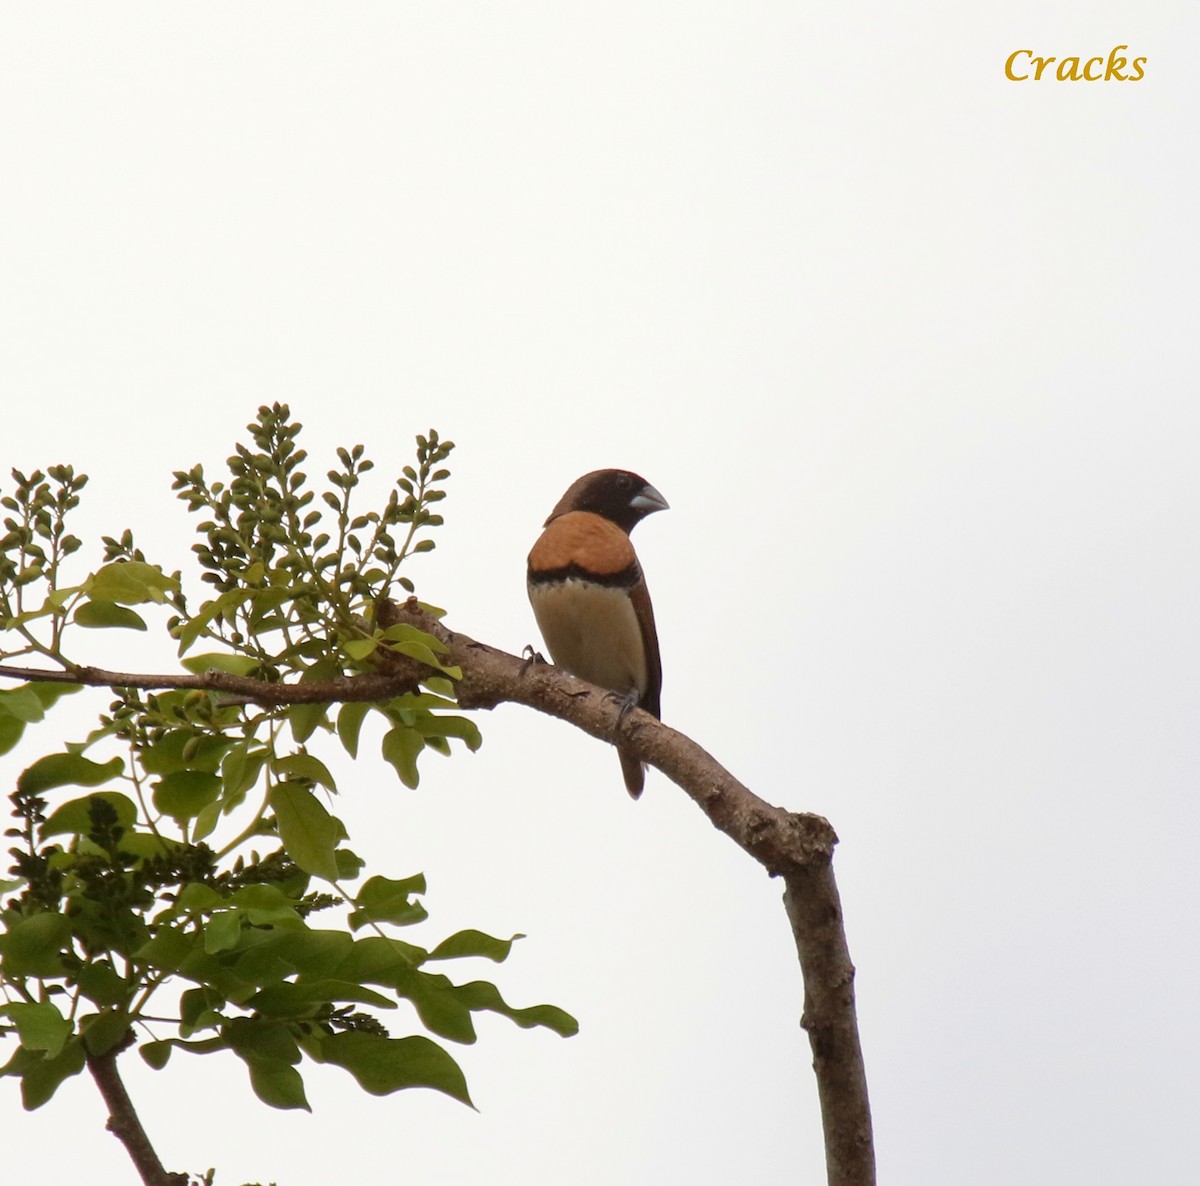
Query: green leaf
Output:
(156,1053)
(305,719)
(479,994)
(22,703)
(474,943)
(416,644)
(198,898)
(277,1084)
(438,1005)
(296,999)
(260,963)
(296,949)
(221,661)
(265,905)
(382,899)
(60,770)
(309,833)
(423,654)
(104,1031)
(261,1038)
(350,864)
(152,577)
(33,946)
(193,1005)
(11,730)
(227,603)
(102,985)
(429,725)
(167,950)
(100,615)
(148,847)
(402,632)
(222,983)
(425,699)
(401,746)
(305,766)
(42,1079)
(75,818)
(183,794)
(129,582)
(222,932)
(49,694)
(385,1065)
(40,1026)
(359,648)
(270,1052)
(206,821)
(20,1062)
(240,769)
(379,959)
(349,722)
(167,753)
(206,1019)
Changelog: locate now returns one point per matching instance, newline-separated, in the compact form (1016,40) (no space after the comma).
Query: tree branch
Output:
(814,909)
(403,675)
(777,839)
(124,1123)
(796,846)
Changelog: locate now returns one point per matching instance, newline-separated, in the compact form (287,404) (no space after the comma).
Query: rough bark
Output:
(815,911)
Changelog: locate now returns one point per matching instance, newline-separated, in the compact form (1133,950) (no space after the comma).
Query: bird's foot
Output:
(628,703)
(531,657)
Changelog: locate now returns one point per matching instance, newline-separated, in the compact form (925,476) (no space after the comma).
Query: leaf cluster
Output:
(285,563)
(34,545)
(178,878)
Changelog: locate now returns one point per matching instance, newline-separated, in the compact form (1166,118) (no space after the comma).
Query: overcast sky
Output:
(911,350)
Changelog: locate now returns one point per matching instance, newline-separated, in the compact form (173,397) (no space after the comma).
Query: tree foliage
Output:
(179,877)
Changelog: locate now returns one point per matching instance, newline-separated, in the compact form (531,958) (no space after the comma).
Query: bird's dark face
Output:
(622,497)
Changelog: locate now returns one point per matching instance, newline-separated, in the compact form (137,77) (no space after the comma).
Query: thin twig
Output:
(369,686)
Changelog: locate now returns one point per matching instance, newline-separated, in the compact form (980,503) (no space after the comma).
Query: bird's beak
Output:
(648,500)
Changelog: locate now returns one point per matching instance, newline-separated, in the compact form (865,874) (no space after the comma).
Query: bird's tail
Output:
(634,772)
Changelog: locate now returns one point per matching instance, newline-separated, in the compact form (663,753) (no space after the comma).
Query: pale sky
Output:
(911,351)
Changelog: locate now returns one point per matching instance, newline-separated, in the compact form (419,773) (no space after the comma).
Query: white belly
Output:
(592,632)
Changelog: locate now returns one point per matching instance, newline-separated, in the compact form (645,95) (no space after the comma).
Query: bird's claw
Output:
(628,703)
(531,657)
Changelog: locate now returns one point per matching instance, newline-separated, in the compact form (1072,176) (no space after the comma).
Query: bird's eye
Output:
(623,481)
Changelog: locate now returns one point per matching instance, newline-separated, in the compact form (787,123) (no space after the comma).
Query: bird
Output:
(590,598)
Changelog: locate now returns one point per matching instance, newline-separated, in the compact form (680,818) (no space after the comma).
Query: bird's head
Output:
(615,494)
